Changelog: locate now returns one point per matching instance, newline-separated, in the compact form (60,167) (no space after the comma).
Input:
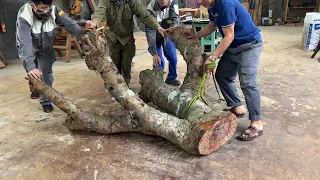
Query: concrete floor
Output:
(35,145)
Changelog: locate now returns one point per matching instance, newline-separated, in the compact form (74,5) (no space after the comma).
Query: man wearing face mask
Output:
(167,15)
(241,48)
(36,28)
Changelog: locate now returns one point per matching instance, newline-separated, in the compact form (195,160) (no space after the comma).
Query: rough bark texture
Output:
(190,50)
(203,132)
(81,120)
(172,99)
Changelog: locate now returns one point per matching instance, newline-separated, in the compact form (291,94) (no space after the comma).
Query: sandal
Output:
(250,134)
(47,108)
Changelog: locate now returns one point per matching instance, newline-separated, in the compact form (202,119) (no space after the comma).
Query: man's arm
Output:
(24,43)
(174,13)
(152,40)
(226,41)
(143,14)
(100,14)
(206,31)
(227,23)
(69,24)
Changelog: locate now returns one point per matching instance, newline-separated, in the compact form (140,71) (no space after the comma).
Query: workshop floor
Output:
(35,145)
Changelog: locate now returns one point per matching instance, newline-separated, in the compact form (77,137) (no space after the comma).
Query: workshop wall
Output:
(9,10)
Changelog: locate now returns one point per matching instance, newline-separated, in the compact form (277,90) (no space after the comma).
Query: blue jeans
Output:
(170,53)
(244,61)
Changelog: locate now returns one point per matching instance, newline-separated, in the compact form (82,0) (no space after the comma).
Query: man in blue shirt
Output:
(241,48)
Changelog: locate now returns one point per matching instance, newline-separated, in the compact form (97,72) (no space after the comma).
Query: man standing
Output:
(118,15)
(36,27)
(241,48)
(167,15)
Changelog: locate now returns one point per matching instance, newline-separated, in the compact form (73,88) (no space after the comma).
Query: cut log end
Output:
(216,133)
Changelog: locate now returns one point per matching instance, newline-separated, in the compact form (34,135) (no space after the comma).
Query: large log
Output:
(201,135)
(174,100)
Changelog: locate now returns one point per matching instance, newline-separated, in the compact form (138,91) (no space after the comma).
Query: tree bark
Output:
(201,133)
(80,120)
(172,99)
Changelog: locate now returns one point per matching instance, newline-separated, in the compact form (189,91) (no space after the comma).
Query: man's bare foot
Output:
(239,111)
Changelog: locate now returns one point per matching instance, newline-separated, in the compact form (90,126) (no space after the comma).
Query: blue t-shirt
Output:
(228,12)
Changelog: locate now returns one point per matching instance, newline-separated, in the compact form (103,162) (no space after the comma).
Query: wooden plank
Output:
(60,47)
(286,3)
(255,12)
(204,12)
(246,5)
(60,54)
(78,47)
(259,18)
(2,65)
(93,5)
(68,50)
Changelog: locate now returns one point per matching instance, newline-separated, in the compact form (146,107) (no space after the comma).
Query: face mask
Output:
(41,14)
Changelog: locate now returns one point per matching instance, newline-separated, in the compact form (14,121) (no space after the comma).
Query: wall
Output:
(8,40)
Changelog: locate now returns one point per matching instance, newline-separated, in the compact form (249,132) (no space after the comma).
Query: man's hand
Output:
(156,60)
(210,64)
(171,29)
(91,24)
(162,31)
(35,73)
(189,33)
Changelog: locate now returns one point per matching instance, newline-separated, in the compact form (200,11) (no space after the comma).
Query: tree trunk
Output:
(172,99)
(201,133)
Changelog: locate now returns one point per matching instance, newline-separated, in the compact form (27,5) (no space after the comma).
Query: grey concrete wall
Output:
(7,40)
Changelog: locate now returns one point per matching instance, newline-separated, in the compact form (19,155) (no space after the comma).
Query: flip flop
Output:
(250,134)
